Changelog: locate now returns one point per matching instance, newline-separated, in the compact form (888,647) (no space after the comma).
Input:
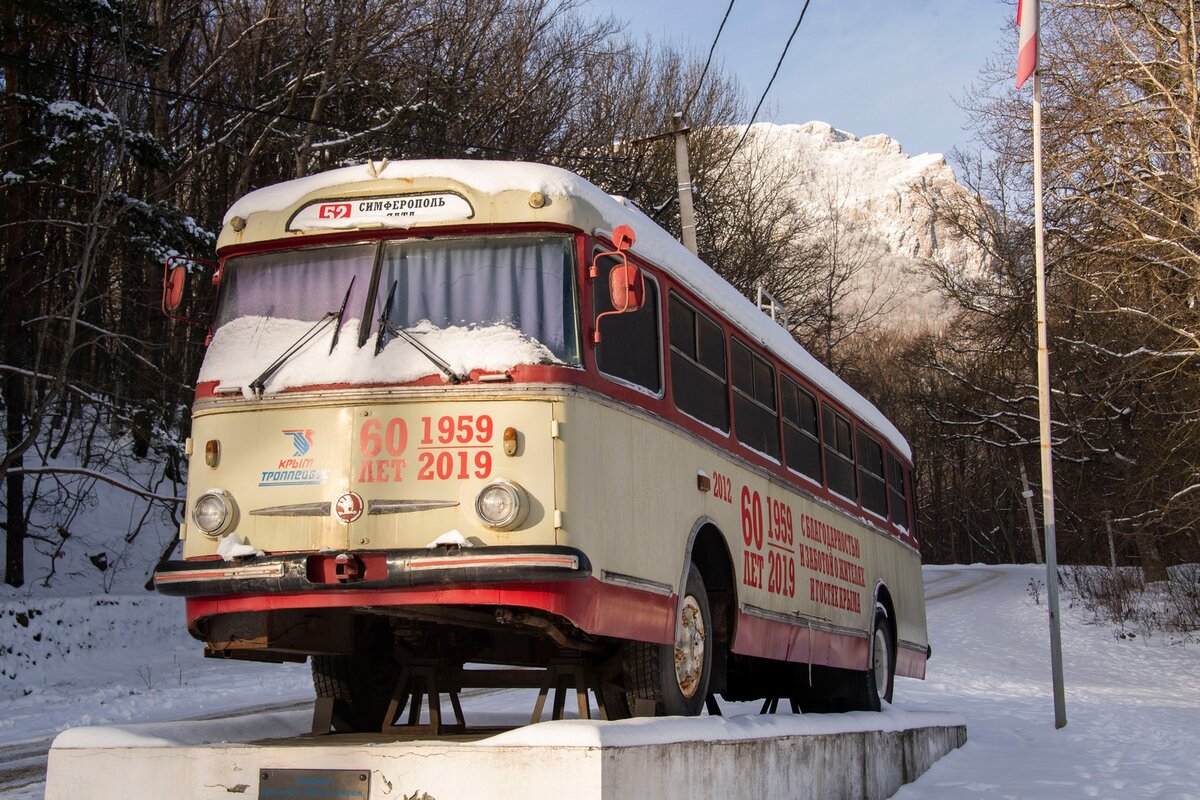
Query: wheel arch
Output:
(709,551)
(883,597)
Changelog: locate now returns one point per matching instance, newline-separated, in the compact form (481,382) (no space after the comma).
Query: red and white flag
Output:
(1027,51)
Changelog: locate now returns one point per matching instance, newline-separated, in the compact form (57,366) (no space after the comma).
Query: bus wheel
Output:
(882,674)
(361,686)
(676,676)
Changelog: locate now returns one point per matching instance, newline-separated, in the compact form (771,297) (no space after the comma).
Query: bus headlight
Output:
(502,505)
(213,512)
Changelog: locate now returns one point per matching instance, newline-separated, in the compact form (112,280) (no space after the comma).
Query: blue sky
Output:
(865,66)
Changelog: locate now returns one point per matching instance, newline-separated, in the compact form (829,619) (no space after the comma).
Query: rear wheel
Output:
(676,677)
(881,676)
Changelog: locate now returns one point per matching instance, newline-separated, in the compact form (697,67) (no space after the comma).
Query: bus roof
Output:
(499,192)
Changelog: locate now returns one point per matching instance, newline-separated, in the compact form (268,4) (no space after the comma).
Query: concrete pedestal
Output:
(858,755)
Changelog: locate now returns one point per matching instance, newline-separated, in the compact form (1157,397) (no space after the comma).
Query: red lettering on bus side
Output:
(752,569)
(722,487)
(752,518)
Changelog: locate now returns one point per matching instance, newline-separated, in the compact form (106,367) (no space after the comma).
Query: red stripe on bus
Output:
(598,608)
(783,641)
(463,562)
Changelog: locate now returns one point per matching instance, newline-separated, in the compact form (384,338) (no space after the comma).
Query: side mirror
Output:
(626,282)
(623,238)
(174,283)
(626,288)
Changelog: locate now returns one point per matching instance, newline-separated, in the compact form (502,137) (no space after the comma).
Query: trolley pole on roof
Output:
(687,215)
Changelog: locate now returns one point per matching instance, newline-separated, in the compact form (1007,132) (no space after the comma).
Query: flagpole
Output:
(1043,370)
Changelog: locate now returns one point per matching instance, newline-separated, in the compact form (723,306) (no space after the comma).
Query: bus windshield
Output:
(472,300)
(523,282)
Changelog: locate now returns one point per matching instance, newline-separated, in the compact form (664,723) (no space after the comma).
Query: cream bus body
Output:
(344,488)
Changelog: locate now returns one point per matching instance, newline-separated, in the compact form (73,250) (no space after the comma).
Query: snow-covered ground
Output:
(1132,704)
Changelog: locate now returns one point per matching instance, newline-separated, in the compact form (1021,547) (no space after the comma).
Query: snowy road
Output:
(954,582)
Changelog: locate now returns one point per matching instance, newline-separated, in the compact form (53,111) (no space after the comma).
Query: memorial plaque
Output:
(314,784)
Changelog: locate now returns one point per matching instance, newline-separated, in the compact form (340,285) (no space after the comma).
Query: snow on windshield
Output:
(243,348)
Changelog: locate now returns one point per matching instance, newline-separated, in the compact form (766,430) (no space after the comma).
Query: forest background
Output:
(128,127)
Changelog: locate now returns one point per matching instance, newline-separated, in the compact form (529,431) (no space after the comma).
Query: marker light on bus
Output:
(213,512)
(212,453)
(502,505)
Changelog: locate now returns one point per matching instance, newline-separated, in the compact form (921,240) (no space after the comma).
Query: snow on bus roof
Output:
(653,244)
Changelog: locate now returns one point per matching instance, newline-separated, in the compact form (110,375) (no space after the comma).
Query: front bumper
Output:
(367,570)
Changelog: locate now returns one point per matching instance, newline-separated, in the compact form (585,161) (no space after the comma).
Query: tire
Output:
(880,678)
(360,684)
(676,677)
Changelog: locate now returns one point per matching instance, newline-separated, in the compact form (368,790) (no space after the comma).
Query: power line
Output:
(171,94)
(753,116)
(704,73)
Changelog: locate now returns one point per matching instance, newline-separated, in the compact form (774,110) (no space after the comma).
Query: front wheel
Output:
(676,677)
(361,684)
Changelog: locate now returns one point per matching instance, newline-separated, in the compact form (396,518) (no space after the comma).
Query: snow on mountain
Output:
(879,197)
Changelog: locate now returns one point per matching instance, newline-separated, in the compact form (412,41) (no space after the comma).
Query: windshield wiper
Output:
(257,386)
(386,326)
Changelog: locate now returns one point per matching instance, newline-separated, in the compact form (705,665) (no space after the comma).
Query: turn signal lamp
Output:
(510,441)
(212,453)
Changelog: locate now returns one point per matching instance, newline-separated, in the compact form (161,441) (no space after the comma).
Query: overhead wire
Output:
(774,74)
(170,94)
(712,49)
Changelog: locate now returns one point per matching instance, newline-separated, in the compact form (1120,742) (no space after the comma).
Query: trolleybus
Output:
(468,412)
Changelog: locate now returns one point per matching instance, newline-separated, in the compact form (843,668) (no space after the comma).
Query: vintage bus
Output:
(468,412)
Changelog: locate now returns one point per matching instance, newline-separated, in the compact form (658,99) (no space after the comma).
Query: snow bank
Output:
(249,728)
(743,726)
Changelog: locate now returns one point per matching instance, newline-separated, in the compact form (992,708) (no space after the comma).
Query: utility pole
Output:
(687,215)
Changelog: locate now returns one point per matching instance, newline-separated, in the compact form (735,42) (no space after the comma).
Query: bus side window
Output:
(630,349)
(870,475)
(801,439)
(697,365)
(754,412)
(839,453)
(896,493)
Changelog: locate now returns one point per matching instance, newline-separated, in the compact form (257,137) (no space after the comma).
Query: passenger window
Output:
(629,348)
(801,438)
(839,453)
(897,495)
(698,381)
(754,414)
(870,475)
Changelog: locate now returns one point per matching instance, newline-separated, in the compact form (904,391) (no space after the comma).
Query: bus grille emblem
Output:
(348,507)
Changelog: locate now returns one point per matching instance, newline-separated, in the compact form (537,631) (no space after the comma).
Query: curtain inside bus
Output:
(525,282)
(296,284)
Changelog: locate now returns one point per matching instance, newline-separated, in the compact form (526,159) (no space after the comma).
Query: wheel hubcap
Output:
(689,647)
(881,665)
